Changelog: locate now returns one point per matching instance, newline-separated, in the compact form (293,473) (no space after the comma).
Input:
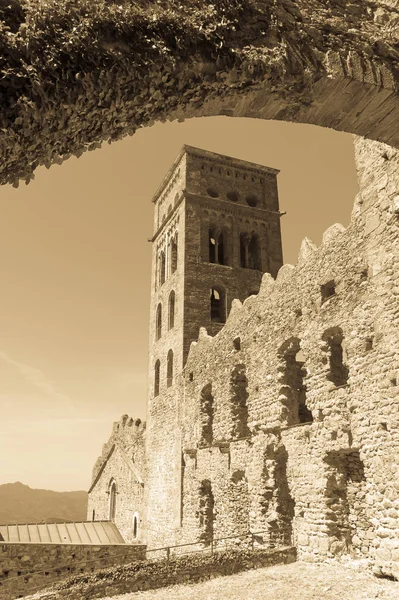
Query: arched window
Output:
(112,501)
(250,254)
(156,377)
(173,254)
(158,324)
(171,320)
(169,369)
(93,515)
(135,526)
(217,246)
(244,243)
(162,271)
(221,249)
(254,258)
(218,305)
(212,246)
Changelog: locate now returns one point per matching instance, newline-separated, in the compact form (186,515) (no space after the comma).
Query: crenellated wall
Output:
(120,471)
(289,416)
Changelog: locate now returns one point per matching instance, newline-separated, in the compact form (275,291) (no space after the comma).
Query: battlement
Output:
(125,422)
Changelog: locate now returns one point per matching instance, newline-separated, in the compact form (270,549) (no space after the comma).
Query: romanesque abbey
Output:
(273,401)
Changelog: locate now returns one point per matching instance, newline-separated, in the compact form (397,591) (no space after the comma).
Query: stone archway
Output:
(77,74)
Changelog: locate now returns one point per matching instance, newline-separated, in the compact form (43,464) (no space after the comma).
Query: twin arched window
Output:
(167,261)
(250,249)
(169,373)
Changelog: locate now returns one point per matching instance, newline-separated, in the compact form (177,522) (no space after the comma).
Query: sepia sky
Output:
(75,279)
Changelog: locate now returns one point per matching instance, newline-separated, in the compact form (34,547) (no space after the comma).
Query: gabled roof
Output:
(126,459)
(86,532)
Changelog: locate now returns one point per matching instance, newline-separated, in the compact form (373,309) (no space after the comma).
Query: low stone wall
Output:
(26,568)
(162,573)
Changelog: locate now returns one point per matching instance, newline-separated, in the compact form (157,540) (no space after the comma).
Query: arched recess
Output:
(171,311)
(162,268)
(157,373)
(292,378)
(173,254)
(282,60)
(338,372)
(206,415)
(169,369)
(158,322)
(135,525)
(250,251)
(239,397)
(112,490)
(206,512)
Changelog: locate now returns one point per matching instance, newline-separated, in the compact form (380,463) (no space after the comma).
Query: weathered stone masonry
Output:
(311,367)
(117,489)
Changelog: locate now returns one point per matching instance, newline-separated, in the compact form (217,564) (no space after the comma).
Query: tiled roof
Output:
(87,532)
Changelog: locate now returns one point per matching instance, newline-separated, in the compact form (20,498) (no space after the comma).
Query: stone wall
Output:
(25,568)
(289,416)
(121,466)
(162,573)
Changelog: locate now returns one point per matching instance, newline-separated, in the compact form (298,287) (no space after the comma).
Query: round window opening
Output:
(233,196)
(252,200)
(212,193)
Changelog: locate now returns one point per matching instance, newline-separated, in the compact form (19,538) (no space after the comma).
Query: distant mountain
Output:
(21,504)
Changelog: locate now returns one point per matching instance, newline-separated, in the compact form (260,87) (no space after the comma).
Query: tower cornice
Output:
(215,158)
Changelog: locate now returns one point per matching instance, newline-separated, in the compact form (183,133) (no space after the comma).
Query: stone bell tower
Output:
(217,230)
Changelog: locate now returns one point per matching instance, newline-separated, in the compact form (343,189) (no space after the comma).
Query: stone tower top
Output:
(211,157)
(214,176)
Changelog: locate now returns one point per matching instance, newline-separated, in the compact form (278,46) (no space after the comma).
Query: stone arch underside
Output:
(77,73)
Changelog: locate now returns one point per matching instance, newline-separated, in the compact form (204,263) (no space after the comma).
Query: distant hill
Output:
(21,504)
